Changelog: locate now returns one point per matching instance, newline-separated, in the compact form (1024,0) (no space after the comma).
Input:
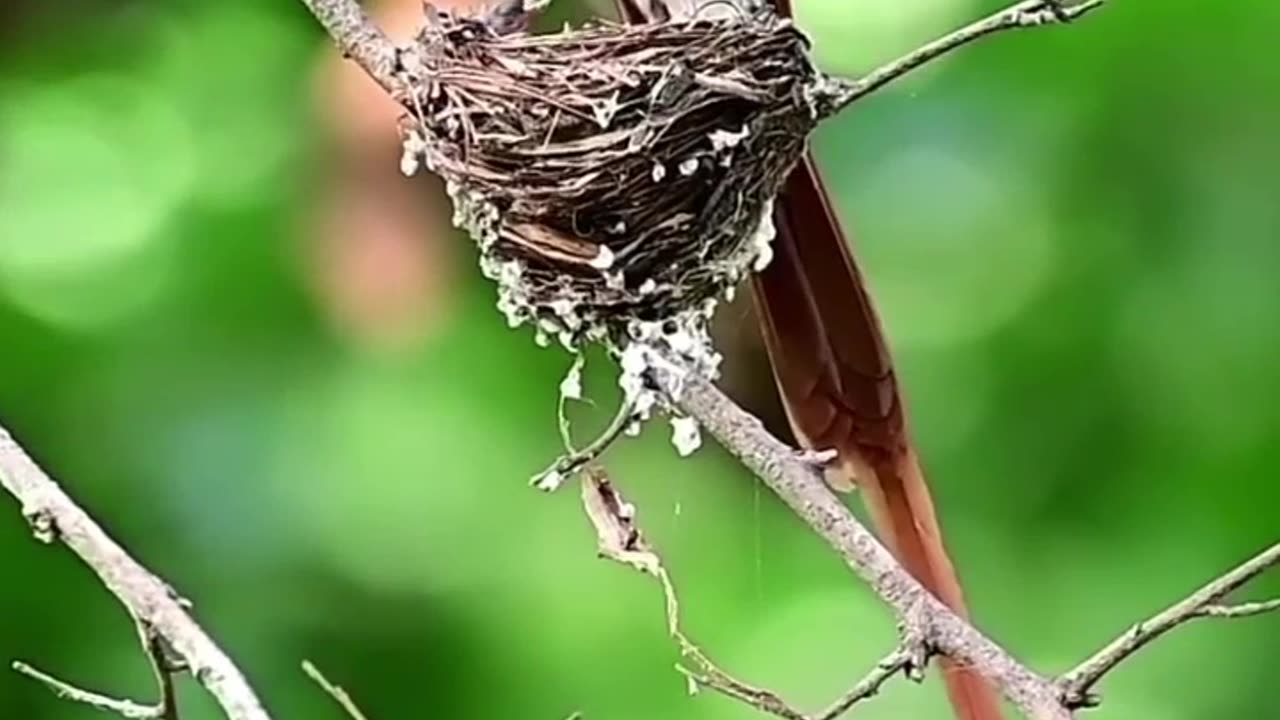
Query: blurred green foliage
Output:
(1073,234)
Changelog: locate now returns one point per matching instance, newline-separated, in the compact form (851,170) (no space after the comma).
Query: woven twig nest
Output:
(616,177)
(618,180)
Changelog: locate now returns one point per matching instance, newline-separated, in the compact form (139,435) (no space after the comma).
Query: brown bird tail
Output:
(838,386)
(898,499)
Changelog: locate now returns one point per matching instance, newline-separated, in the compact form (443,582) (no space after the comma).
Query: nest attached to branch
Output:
(616,178)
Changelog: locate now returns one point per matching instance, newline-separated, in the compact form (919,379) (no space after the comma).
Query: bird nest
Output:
(618,179)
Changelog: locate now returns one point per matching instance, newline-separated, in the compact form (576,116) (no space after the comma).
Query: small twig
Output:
(154,606)
(1239,611)
(1205,602)
(123,708)
(766,701)
(574,460)
(900,660)
(166,708)
(1030,13)
(334,691)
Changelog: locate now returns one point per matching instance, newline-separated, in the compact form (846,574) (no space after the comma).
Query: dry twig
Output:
(1205,602)
(334,691)
(1031,13)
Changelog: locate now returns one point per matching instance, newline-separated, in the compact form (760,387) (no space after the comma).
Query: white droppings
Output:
(635,363)
(685,435)
(604,111)
(409,164)
(659,172)
(688,166)
(511,309)
(604,258)
(571,385)
(725,139)
(414,148)
(761,241)
(549,481)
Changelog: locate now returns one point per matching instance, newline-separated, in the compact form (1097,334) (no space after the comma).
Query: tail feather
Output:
(836,379)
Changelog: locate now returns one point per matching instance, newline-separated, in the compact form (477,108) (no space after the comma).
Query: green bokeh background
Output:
(1074,237)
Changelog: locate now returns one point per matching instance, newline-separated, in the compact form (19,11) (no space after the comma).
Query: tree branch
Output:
(1205,602)
(902,660)
(120,706)
(1029,13)
(358,38)
(336,692)
(160,614)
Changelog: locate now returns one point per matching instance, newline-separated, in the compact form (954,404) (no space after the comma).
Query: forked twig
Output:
(1203,603)
(1030,13)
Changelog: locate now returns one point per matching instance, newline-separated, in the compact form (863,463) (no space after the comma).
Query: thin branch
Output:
(123,708)
(54,516)
(1030,13)
(162,665)
(1205,602)
(358,38)
(762,699)
(575,459)
(900,660)
(335,691)
(1239,611)
(769,702)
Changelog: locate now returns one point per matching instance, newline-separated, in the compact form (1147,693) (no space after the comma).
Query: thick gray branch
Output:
(55,517)
(358,37)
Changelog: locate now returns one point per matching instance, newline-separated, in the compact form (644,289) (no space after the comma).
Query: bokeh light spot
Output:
(963,268)
(92,169)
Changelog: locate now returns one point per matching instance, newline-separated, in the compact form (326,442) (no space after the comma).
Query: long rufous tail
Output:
(838,387)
